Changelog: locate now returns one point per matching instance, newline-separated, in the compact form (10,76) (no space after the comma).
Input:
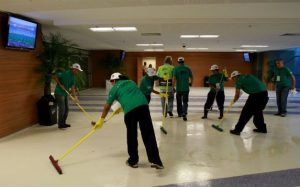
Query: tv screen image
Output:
(246,57)
(21,33)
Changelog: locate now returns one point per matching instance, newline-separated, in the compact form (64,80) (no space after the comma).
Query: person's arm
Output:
(192,80)
(237,95)
(73,92)
(56,78)
(105,110)
(174,83)
(293,82)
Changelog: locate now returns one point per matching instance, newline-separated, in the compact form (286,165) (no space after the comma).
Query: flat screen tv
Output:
(246,57)
(21,33)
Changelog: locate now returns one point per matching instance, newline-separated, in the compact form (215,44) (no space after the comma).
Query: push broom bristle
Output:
(55,164)
(217,127)
(163,130)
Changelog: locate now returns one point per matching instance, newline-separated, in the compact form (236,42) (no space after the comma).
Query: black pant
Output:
(142,116)
(148,97)
(254,106)
(182,99)
(220,98)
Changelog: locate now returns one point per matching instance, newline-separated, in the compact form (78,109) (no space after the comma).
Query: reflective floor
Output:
(193,153)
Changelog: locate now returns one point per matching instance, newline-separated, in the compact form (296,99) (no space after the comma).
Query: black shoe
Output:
(283,114)
(132,165)
(157,166)
(67,125)
(277,114)
(179,116)
(184,118)
(235,132)
(170,114)
(220,117)
(260,131)
(62,126)
(204,117)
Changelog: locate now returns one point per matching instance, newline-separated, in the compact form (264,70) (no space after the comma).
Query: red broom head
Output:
(55,164)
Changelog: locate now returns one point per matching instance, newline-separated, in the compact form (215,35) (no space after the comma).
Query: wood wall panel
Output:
(19,86)
(199,62)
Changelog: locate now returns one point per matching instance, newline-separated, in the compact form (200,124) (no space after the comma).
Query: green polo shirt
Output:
(250,84)
(217,78)
(182,73)
(127,94)
(283,77)
(165,71)
(67,78)
(147,83)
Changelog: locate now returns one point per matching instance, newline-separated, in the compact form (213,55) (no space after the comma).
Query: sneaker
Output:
(283,114)
(157,166)
(62,126)
(260,131)
(184,118)
(132,165)
(170,114)
(67,125)
(204,117)
(277,114)
(235,132)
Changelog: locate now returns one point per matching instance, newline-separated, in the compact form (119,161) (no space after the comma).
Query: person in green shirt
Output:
(147,83)
(65,81)
(182,79)
(255,104)
(282,78)
(165,72)
(136,110)
(216,92)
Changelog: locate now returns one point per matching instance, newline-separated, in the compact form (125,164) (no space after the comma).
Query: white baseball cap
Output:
(115,76)
(214,67)
(234,73)
(180,59)
(150,72)
(76,66)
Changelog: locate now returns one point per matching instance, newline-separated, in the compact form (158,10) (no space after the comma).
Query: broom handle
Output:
(230,106)
(77,144)
(82,109)
(166,101)
(82,140)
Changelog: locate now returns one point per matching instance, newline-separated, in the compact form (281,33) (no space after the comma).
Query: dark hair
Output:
(123,77)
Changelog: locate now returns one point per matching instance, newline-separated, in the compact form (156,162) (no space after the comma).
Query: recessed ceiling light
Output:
(254,46)
(125,28)
(245,50)
(102,29)
(209,36)
(189,36)
(196,48)
(145,45)
(153,49)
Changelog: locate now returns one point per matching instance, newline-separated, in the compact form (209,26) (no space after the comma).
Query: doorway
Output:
(143,64)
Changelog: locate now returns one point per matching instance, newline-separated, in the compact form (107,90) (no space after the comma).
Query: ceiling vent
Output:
(291,34)
(151,34)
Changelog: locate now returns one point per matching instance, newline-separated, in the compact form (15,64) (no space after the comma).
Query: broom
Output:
(55,162)
(82,109)
(218,127)
(165,110)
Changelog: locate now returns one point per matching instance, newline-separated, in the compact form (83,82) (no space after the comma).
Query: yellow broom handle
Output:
(77,144)
(226,112)
(82,109)
(82,140)
(166,101)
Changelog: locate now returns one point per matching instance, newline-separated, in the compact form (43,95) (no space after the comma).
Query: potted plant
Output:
(58,55)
